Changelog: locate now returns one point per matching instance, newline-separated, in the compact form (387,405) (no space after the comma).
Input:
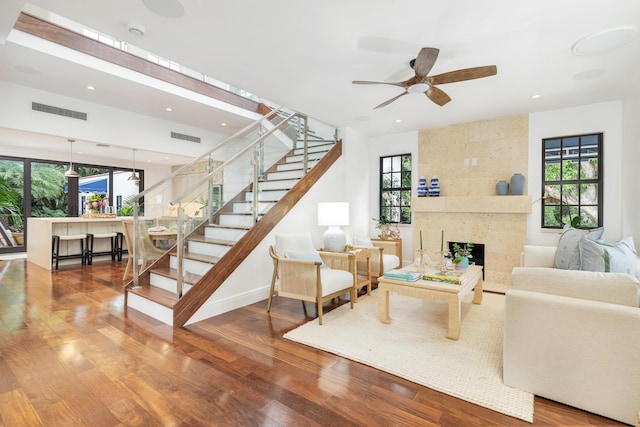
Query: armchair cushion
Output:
(334,280)
(293,242)
(364,241)
(307,255)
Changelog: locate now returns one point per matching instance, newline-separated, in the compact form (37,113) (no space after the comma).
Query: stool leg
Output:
(113,247)
(120,244)
(83,252)
(89,249)
(55,250)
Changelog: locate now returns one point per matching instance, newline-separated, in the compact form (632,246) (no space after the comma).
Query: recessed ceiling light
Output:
(169,109)
(398,120)
(223,124)
(605,41)
(536,96)
(136,29)
(589,74)
(167,8)
(91,88)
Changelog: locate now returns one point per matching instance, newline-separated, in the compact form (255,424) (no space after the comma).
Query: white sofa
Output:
(574,336)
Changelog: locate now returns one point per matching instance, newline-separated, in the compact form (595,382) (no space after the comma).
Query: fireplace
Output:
(477,253)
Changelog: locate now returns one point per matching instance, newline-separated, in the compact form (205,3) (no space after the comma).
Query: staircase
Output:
(176,285)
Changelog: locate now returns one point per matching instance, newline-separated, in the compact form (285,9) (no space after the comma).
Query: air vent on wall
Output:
(184,137)
(36,106)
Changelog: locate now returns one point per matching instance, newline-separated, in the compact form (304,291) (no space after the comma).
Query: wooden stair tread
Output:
(209,259)
(157,295)
(201,239)
(231,227)
(172,273)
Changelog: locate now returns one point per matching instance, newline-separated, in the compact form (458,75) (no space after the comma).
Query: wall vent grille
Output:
(184,137)
(36,106)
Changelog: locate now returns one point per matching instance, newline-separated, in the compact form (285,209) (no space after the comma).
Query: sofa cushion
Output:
(619,257)
(568,252)
(615,288)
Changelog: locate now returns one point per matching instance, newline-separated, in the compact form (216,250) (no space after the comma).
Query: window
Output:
(395,188)
(572,181)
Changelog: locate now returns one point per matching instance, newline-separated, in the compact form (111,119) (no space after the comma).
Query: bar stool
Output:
(115,238)
(55,249)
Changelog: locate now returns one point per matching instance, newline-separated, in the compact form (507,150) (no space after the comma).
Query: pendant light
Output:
(134,176)
(71,173)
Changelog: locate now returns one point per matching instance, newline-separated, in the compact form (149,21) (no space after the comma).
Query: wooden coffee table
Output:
(431,290)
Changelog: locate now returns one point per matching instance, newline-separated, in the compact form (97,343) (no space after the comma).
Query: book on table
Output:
(407,276)
(456,277)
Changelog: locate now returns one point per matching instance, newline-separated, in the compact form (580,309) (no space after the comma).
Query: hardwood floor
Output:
(70,355)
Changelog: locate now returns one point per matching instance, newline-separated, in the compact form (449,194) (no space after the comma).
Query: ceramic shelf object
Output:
(422,187)
(517,184)
(434,190)
(502,188)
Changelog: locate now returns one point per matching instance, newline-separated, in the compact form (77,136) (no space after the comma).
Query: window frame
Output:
(404,203)
(578,204)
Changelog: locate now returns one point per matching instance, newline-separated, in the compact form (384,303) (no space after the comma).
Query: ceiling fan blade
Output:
(364,82)
(464,74)
(389,101)
(425,60)
(437,96)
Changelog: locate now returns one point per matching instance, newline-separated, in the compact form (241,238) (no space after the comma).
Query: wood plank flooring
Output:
(71,356)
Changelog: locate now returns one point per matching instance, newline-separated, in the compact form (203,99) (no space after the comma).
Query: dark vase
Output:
(517,184)
(502,188)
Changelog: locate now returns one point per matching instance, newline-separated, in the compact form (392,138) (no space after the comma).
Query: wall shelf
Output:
(472,204)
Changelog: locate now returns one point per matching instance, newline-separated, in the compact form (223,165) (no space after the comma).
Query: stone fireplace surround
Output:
(468,209)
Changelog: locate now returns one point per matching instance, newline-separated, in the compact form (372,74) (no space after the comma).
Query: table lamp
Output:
(334,215)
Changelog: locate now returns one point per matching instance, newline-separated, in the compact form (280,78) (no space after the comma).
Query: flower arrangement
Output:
(460,252)
(95,202)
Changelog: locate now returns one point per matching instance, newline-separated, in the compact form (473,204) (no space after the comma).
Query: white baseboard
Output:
(214,307)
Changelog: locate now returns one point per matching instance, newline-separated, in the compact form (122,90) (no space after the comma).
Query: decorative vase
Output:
(434,190)
(422,187)
(464,263)
(502,188)
(457,266)
(517,184)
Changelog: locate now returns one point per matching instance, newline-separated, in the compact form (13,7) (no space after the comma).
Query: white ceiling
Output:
(304,55)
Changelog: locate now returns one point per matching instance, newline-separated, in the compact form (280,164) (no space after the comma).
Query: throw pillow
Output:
(568,252)
(364,241)
(619,257)
(308,256)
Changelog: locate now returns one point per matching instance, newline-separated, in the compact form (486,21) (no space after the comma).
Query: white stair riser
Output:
(300,157)
(294,165)
(247,207)
(150,308)
(166,283)
(297,174)
(231,220)
(190,265)
(277,185)
(265,195)
(312,149)
(233,234)
(210,249)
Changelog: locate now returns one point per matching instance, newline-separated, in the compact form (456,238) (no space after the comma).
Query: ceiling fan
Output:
(426,84)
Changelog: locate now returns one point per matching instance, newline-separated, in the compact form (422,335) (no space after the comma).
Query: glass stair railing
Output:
(205,207)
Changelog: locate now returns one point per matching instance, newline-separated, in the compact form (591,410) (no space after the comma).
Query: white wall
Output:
(630,167)
(388,145)
(604,117)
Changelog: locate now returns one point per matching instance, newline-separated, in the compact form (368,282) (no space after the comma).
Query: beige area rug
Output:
(413,346)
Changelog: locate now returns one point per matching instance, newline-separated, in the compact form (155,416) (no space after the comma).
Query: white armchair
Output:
(300,272)
(385,255)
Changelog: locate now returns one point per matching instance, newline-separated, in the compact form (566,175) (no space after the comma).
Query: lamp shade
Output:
(333,213)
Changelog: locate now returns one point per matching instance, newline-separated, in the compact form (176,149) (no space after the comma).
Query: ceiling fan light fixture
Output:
(418,88)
